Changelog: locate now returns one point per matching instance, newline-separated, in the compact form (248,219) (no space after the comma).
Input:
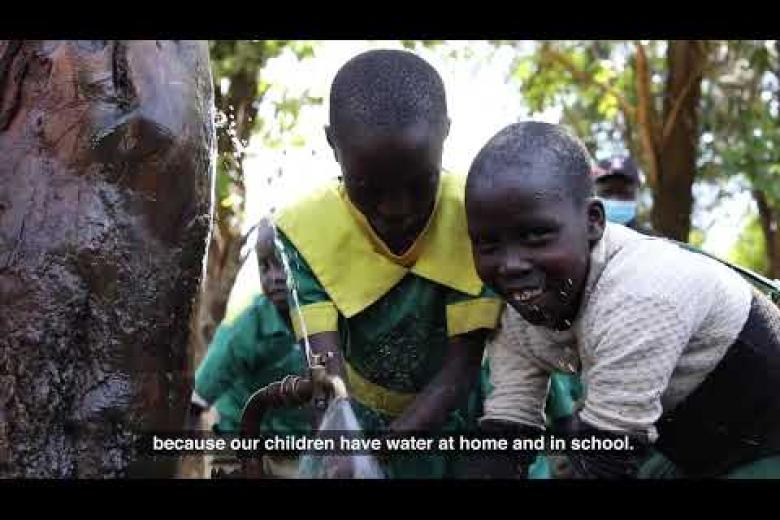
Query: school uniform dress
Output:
(395,314)
(672,347)
(247,353)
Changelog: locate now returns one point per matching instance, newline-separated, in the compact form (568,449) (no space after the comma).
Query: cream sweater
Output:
(654,321)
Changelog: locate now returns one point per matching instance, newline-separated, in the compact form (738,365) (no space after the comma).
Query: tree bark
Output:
(770,216)
(105,202)
(770,225)
(672,193)
(647,118)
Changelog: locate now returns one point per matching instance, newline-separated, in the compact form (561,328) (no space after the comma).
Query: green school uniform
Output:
(247,353)
(395,314)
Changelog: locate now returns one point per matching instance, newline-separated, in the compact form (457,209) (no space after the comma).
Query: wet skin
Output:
(532,242)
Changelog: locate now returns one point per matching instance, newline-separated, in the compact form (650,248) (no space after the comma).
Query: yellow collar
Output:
(353,264)
(411,255)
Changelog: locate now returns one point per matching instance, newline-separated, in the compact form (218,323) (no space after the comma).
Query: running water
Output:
(339,417)
(294,291)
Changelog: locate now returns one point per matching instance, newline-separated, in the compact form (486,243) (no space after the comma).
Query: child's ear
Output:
(596,220)
(332,142)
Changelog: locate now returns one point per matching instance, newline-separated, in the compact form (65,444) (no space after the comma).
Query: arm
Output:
(514,407)
(633,360)
(316,320)
(601,464)
(449,388)
(214,375)
(198,407)
(469,320)
(317,317)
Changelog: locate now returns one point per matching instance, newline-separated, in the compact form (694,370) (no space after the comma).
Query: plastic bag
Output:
(339,417)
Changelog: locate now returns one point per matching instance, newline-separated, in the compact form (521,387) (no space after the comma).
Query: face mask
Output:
(619,211)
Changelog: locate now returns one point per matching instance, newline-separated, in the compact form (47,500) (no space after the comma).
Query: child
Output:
(251,351)
(617,183)
(674,349)
(382,261)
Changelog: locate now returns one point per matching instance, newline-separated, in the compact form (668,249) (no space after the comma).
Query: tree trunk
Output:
(672,193)
(105,195)
(770,216)
(770,225)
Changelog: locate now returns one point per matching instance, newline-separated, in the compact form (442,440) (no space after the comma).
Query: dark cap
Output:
(618,166)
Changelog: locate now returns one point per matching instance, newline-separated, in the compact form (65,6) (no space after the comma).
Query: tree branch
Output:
(646,115)
(672,116)
(768,221)
(549,54)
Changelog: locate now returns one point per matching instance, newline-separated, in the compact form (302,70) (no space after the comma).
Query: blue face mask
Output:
(619,211)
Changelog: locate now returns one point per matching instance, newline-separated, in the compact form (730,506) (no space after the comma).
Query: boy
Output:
(617,184)
(382,261)
(251,351)
(674,349)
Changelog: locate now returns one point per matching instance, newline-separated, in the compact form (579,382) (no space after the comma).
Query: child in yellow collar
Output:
(382,263)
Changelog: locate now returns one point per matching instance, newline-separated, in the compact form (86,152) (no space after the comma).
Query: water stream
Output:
(339,417)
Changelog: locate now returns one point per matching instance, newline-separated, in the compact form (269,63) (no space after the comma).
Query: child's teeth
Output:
(524,296)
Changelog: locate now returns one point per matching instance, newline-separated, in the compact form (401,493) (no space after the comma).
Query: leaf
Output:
(749,251)
(524,68)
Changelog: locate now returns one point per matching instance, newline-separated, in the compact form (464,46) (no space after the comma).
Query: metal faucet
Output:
(319,388)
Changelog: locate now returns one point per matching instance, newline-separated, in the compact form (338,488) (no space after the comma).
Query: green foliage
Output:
(302,48)
(286,112)
(750,249)
(237,67)
(585,79)
(696,237)
(738,114)
(233,57)
(414,44)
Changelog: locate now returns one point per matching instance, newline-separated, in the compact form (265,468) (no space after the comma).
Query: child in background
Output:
(249,352)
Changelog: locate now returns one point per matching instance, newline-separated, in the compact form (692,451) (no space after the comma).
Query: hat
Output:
(617,166)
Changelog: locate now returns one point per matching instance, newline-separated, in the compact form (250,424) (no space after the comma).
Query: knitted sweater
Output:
(655,319)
